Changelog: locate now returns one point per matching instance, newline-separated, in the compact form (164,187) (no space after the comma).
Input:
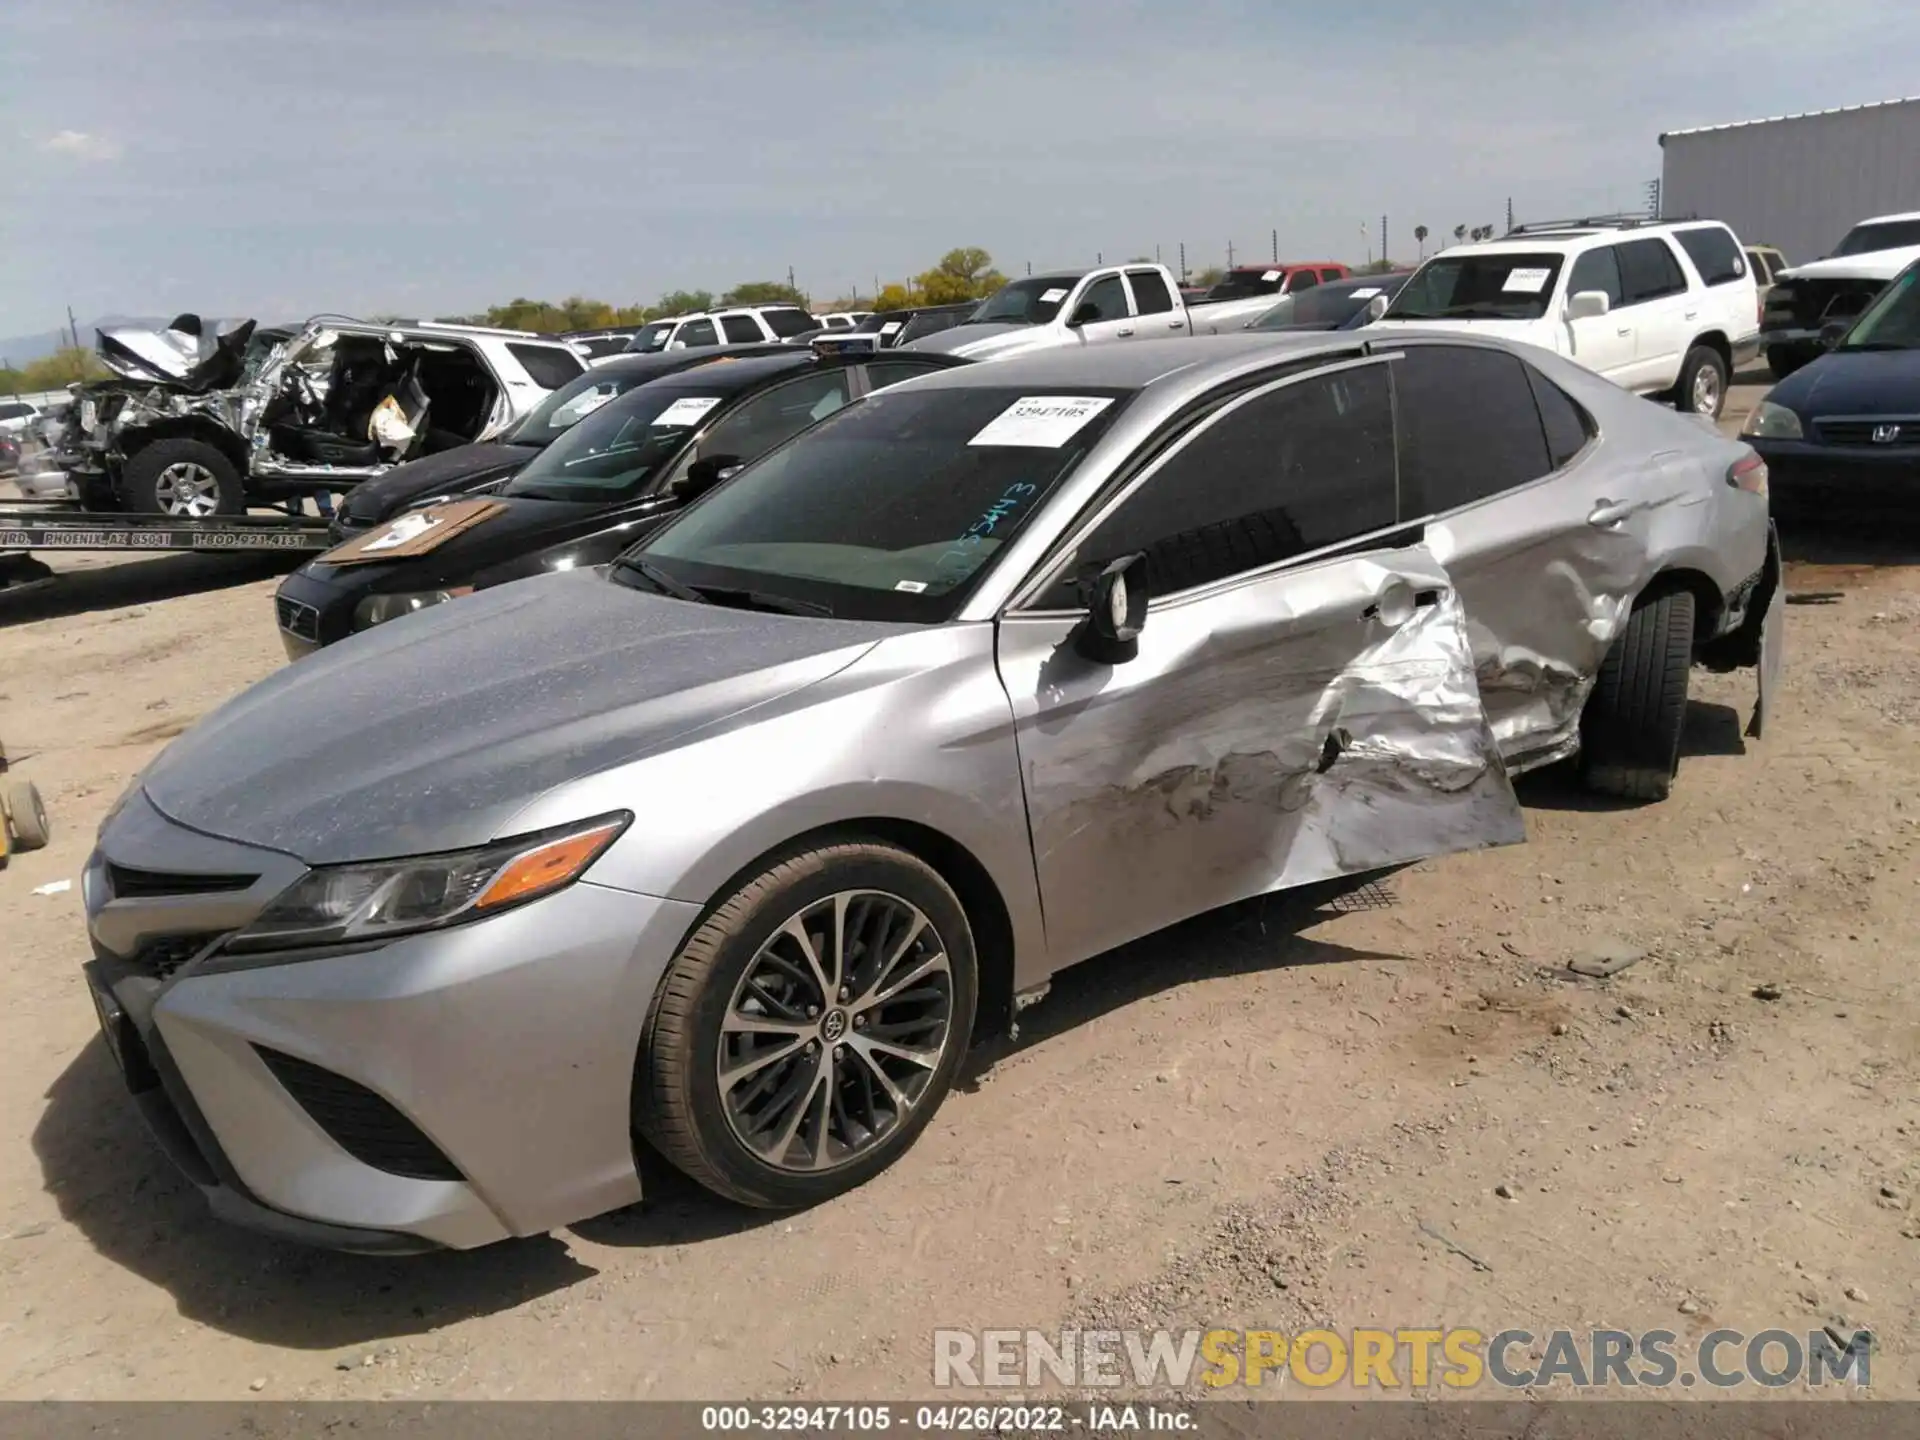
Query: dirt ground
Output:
(1260,1118)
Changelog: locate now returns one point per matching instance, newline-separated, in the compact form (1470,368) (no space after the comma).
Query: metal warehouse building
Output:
(1796,181)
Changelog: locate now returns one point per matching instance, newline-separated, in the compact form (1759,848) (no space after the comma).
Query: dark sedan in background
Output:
(1335,305)
(588,495)
(470,468)
(1847,426)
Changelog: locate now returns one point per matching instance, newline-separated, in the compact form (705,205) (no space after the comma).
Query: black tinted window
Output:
(1107,297)
(1762,268)
(548,366)
(1568,427)
(696,333)
(1648,271)
(1713,253)
(1150,292)
(1331,275)
(1468,426)
(740,330)
(1597,270)
(929,325)
(882,373)
(788,323)
(772,416)
(1306,466)
(1302,279)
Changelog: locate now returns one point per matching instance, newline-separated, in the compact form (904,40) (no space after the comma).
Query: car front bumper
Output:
(503,1050)
(1799,469)
(313,612)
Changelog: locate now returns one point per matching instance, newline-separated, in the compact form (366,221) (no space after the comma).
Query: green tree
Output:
(763,292)
(1459,233)
(1420,235)
(897,297)
(680,302)
(963,274)
(66,366)
(1209,276)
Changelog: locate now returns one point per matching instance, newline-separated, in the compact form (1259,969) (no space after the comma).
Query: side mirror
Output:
(1833,332)
(1116,613)
(1377,306)
(1083,314)
(1588,304)
(705,473)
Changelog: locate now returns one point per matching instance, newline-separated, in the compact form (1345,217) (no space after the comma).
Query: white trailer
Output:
(1796,181)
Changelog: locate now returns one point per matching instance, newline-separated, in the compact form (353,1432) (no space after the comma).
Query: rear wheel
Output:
(1702,389)
(186,478)
(1630,730)
(26,816)
(807,1032)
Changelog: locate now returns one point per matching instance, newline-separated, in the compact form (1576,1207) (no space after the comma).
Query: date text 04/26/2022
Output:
(943,1419)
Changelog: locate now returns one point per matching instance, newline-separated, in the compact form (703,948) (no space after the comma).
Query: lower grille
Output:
(128,883)
(1892,433)
(300,621)
(160,958)
(360,1122)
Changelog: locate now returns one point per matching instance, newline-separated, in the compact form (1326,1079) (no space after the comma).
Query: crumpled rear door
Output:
(1296,726)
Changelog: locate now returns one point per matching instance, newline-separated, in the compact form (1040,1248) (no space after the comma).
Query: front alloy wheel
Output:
(809,1029)
(184,488)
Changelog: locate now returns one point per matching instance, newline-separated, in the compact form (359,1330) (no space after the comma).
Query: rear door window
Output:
(1568,427)
(697,333)
(788,322)
(1301,280)
(741,330)
(1331,275)
(1150,293)
(548,366)
(1714,253)
(1648,271)
(1468,426)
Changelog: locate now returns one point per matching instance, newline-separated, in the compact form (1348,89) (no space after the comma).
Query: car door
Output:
(1545,548)
(1301,703)
(1112,317)
(695,335)
(1603,343)
(1664,311)
(1153,304)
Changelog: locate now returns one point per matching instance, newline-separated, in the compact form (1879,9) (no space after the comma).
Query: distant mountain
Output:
(25,349)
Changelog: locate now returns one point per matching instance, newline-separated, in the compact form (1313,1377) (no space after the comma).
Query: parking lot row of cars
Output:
(726,747)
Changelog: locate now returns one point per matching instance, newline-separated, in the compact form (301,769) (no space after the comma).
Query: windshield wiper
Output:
(660,579)
(762,600)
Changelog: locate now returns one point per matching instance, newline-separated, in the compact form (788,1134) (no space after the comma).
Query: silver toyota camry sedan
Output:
(737,845)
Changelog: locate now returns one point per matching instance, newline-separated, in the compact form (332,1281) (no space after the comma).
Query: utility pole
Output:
(1156,254)
(1276,245)
(1183,262)
(1383,239)
(1509,214)
(1229,255)
(1029,267)
(73,328)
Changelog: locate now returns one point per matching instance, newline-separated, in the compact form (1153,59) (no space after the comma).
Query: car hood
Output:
(1870,265)
(1861,382)
(521,526)
(432,732)
(451,471)
(188,352)
(995,338)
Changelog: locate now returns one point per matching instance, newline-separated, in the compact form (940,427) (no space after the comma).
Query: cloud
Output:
(81,146)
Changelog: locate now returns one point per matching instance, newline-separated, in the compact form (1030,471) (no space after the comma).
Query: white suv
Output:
(1668,309)
(737,325)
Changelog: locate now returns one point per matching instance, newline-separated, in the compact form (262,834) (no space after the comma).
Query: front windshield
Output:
(1882,235)
(1328,305)
(1026,302)
(1248,285)
(1479,287)
(1892,321)
(613,453)
(569,405)
(649,338)
(890,510)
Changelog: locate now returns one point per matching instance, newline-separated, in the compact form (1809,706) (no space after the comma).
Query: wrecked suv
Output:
(740,843)
(203,421)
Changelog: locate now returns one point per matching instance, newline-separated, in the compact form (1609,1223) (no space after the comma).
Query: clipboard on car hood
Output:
(417,532)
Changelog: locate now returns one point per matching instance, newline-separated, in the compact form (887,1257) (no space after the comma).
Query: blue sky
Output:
(413,157)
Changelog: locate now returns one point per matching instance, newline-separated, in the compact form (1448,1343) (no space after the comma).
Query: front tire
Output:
(26,816)
(188,479)
(1702,389)
(806,1033)
(1630,730)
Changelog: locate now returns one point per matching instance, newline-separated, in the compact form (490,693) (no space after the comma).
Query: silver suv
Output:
(205,421)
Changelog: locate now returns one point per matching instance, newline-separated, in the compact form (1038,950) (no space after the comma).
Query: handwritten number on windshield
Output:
(961,557)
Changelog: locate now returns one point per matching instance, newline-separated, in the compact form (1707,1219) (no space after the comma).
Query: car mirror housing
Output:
(1588,304)
(1377,306)
(1116,612)
(1833,332)
(1084,313)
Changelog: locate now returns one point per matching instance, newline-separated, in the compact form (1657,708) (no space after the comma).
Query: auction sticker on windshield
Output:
(1042,422)
(686,411)
(1053,297)
(1269,276)
(1526,282)
(1367,294)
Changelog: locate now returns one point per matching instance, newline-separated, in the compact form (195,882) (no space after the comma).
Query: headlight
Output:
(378,609)
(337,904)
(1772,422)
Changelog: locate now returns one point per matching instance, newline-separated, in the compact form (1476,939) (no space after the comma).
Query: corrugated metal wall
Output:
(1797,183)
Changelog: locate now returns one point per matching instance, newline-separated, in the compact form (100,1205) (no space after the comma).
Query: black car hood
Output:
(450,472)
(1860,382)
(522,526)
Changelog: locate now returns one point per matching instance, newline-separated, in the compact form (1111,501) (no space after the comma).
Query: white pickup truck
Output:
(1069,307)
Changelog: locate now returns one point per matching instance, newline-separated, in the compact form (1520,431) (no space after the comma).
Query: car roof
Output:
(1882,219)
(626,362)
(1133,367)
(725,375)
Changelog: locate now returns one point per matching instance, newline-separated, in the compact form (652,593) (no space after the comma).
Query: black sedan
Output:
(1847,426)
(1336,305)
(473,467)
(589,494)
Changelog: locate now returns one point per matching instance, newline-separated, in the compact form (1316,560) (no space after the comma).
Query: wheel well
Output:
(1707,599)
(186,427)
(1718,343)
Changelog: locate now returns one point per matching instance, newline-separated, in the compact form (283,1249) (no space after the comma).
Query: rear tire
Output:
(759,1138)
(1702,388)
(189,479)
(27,817)
(1630,730)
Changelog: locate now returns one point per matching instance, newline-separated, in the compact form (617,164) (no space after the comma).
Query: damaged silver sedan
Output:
(738,845)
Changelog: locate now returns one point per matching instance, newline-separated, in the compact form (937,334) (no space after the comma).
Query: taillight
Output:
(1748,473)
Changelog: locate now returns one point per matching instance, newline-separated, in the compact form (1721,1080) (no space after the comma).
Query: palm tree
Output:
(1420,235)
(1459,233)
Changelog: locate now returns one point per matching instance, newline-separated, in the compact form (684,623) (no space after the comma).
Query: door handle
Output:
(1691,314)
(1623,333)
(1175,324)
(1609,513)
(1124,330)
